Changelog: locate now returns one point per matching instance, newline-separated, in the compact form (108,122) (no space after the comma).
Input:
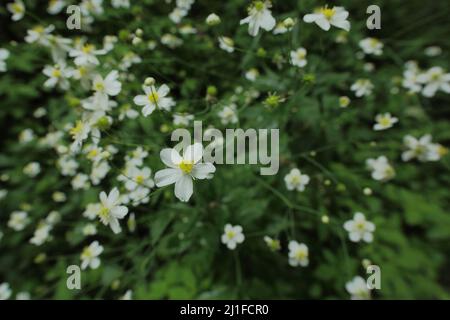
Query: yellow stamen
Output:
(186,166)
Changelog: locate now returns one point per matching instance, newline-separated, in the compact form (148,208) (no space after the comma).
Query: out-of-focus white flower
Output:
(362,87)
(154,98)
(138,177)
(226,44)
(326,17)
(67,165)
(57,75)
(89,256)
(381,169)
(105,88)
(39,34)
(298,254)
(177,14)
(357,288)
(59,196)
(232,236)
(4,54)
(371,46)
(423,149)
(171,41)
(295,180)
(41,234)
(26,136)
(111,211)
(17,8)
(359,228)
(183,169)
(182,119)
(86,55)
(434,79)
(32,169)
(384,121)
(252,74)
(56,6)
(127,296)
(433,51)
(89,229)
(212,19)
(228,114)
(79,133)
(91,210)
(5,291)
(259,16)
(18,220)
(298,57)
(23,295)
(99,171)
(80,182)
(89,7)
(273,244)
(120,3)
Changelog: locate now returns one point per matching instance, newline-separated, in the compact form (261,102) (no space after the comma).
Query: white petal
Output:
(119,212)
(323,23)
(184,188)
(308,18)
(193,153)
(163,91)
(148,110)
(267,21)
(140,100)
(167,176)
(170,157)
(202,170)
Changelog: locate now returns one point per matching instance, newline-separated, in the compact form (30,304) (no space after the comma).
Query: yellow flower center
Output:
(99,86)
(186,166)
(92,154)
(300,255)
(435,76)
(39,29)
(385,121)
(103,213)
(77,129)
(153,97)
(56,73)
(442,150)
(230,234)
(259,5)
(327,12)
(360,225)
(17,8)
(82,71)
(139,179)
(87,48)
(373,42)
(87,253)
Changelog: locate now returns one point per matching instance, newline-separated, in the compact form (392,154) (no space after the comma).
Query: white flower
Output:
(228,114)
(99,171)
(154,98)
(89,256)
(422,149)
(17,8)
(80,181)
(55,6)
(39,34)
(120,3)
(18,220)
(23,295)
(136,177)
(381,169)
(59,196)
(358,289)
(32,169)
(177,15)
(67,165)
(226,44)
(89,229)
(433,51)
(5,291)
(212,19)
(326,17)
(4,54)
(359,228)
(273,244)
(362,87)
(434,79)
(86,55)
(371,46)
(104,88)
(344,101)
(232,236)
(252,74)
(111,211)
(171,41)
(127,296)
(58,75)
(411,80)
(91,210)
(183,169)
(26,136)
(182,119)
(41,234)
(259,17)
(298,57)
(384,121)
(137,157)
(89,7)
(298,254)
(295,180)
(79,133)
